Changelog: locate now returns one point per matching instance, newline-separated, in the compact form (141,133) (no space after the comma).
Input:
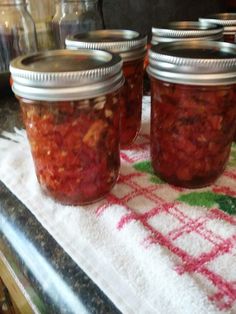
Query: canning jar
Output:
(227,20)
(75,16)
(131,46)
(70,107)
(193,112)
(185,31)
(17,32)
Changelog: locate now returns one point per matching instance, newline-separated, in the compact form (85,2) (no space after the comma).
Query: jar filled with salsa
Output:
(193,112)
(70,107)
(131,46)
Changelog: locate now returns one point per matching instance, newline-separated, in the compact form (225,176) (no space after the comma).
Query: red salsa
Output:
(131,101)
(191,131)
(75,146)
(229,38)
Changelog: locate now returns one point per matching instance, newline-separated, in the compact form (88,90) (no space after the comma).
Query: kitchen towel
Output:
(164,249)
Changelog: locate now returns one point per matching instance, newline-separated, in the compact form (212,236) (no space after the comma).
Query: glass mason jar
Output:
(42,12)
(17,32)
(75,16)
(227,20)
(193,112)
(70,107)
(131,46)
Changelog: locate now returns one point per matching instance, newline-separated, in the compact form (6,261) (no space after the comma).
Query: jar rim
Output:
(60,75)
(194,63)
(227,20)
(186,30)
(129,44)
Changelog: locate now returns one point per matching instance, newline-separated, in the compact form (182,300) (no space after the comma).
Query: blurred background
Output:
(141,15)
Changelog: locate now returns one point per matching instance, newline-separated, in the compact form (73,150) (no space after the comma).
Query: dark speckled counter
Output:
(53,281)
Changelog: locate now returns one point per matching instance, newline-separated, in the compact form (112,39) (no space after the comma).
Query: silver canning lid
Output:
(66,74)
(186,30)
(130,45)
(227,20)
(194,62)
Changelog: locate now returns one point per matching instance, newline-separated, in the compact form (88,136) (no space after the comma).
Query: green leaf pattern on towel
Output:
(210,199)
(207,199)
(146,166)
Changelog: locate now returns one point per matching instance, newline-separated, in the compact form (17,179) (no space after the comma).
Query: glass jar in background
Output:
(42,12)
(193,112)
(131,46)
(17,32)
(75,16)
(227,20)
(70,107)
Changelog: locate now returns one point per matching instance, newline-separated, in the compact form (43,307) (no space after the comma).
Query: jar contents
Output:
(229,38)
(191,131)
(75,146)
(131,101)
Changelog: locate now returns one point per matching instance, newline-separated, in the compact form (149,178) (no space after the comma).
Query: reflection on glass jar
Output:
(75,16)
(193,111)
(72,119)
(131,46)
(42,12)
(17,32)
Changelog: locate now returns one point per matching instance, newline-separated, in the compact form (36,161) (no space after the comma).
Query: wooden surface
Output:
(20,304)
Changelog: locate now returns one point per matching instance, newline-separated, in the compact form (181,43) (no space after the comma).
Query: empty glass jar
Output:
(75,16)
(17,32)
(193,112)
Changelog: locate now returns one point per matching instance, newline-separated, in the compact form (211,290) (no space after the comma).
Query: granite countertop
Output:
(53,281)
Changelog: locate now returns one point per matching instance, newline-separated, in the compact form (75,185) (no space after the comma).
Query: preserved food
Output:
(75,146)
(191,133)
(131,101)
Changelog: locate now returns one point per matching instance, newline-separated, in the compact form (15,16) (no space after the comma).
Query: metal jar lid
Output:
(194,62)
(66,74)
(227,20)
(186,30)
(130,45)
